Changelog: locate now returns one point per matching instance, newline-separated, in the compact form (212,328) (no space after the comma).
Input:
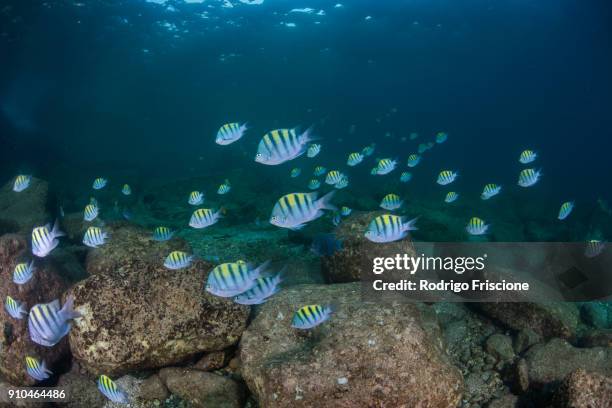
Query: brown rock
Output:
(582,389)
(21,212)
(45,286)
(137,314)
(81,389)
(347,264)
(365,355)
(557,319)
(505,401)
(202,389)
(153,388)
(551,362)
(521,374)
(211,361)
(500,346)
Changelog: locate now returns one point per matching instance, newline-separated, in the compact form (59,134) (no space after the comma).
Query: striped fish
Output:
(260,291)
(233,278)
(204,217)
(229,133)
(527,156)
(368,150)
(94,237)
(37,369)
(451,196)
(21,183)
(342,183)
(476,226)
(385,166)
(294,210)
(446,177)
(441,137)
(99,183)
(110,390)
(161,234)
(126,190)
(345,211)
(313,150)
(354,159)
(91,212)
(413,160)
(405,177)
(594,247)
(14,308)
(178,260)
(489,191)
(391,202)
(295,172)
(23,272)
(314,184)
(389,228)
(48,324)
(45,240)
(224,188)
(281,145)
(319,171)
(333,176)
(528,177)
(565,210)
(195,198)
(310,316)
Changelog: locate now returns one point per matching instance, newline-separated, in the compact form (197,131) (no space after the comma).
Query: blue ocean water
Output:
(140,88)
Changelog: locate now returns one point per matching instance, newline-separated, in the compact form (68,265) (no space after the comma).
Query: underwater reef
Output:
(169,343)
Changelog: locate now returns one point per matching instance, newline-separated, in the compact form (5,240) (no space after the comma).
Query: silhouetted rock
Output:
(21,212)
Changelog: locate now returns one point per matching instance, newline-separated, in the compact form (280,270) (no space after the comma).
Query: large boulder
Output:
(582,389)
(348,263)
(20,212)
(366,355)
(554,319)
(202,389)
(550,363)
(137,314)
(45,286)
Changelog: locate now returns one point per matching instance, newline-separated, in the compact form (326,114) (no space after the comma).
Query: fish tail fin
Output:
(56,230)
(307,136)
(409,225)
(68,311)
(324,202)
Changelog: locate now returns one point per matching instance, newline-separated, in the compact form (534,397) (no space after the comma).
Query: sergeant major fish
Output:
(229,133)
(294,210)
(281,145)
(389,228)
(48,324)
(45,240)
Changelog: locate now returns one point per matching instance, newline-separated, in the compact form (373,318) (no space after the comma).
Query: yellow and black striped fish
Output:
(389,228)
(310,316)
(230,132)
(294,210)
(111,391)
(178,260)
(204,217)
(281,145)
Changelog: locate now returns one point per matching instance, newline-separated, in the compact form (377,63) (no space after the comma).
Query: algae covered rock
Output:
(552,319)
(21,212)
(45,286)
(354,258)
(583,389)
(551,362)
(202,389)
(365,355)
(137,314)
